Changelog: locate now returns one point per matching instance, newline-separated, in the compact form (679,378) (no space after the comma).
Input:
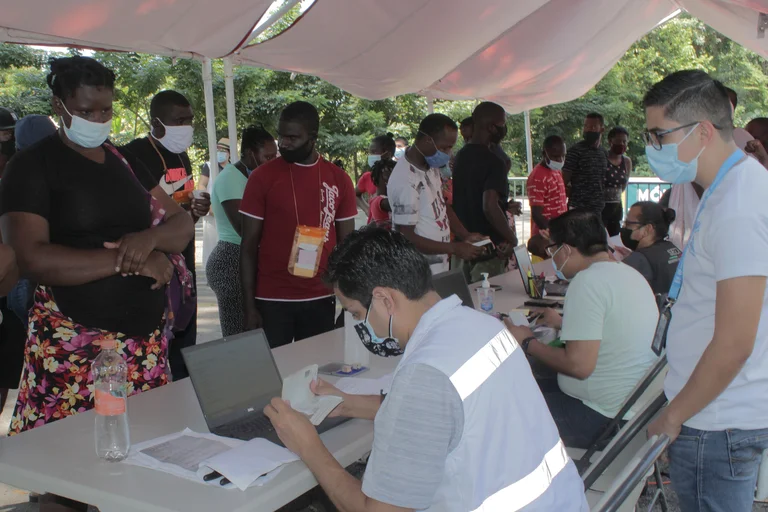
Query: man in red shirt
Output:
(546,193)
(299,188)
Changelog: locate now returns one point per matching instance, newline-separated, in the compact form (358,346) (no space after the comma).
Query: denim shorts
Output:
(716,471)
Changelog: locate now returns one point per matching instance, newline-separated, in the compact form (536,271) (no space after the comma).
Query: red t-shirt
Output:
(546,188)
(365,184)
(269,196)
(376,214)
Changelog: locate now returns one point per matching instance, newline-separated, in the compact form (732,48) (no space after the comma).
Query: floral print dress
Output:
(57,381)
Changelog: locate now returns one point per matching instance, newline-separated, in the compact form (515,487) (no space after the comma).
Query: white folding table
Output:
(60,457)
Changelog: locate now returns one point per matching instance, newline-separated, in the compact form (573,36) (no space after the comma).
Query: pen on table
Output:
(224,481)
(212,476)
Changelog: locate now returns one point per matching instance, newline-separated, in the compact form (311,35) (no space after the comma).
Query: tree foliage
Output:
(348,123)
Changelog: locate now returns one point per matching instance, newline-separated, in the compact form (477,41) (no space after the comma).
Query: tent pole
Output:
(430,104)
(210,117)
(229,86)
(528,147)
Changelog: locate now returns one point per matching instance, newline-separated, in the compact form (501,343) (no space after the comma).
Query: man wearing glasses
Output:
(607,325)
(717,343)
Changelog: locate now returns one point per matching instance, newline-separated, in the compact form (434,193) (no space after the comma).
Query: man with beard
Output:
(295,209)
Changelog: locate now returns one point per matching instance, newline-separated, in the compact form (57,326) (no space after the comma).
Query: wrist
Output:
(526,343)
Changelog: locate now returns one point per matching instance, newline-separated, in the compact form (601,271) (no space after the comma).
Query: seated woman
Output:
(223,268)
(101,239)
(646,233)
(608,322)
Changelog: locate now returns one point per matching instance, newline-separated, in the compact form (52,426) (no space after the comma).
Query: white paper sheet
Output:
(296,390)
(188,455)
(244,465)
(363,386)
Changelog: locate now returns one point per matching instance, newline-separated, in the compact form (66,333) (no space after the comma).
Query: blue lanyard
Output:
(677,282)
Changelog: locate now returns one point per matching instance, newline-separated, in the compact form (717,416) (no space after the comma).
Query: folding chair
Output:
(632,477)
(644,391)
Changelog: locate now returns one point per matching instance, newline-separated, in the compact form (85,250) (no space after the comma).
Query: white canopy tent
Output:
(522,54)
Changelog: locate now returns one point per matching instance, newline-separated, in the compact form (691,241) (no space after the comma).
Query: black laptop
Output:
(453,283)
(234,379)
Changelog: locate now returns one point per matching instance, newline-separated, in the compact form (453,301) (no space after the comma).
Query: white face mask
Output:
(177,139)
(222,156)
(86,133)
(554,165)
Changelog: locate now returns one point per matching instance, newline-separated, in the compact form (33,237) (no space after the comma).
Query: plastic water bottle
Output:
(485,295)
(110,374)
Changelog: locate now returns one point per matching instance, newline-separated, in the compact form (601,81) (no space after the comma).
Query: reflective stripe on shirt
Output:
(531,486)
(483,363)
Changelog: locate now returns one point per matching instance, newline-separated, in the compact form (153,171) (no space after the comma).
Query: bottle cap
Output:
(108,344)
(486,284)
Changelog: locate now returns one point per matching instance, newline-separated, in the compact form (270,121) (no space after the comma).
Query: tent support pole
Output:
(430,104)
(528,147)
(229,86)
(210,117)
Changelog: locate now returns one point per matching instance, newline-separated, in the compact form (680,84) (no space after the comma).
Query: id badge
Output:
(306,251)
(660,335)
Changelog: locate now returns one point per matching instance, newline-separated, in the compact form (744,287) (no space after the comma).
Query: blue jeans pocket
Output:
(745,449)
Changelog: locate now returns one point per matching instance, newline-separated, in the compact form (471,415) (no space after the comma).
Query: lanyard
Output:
(320,192)
(677,282)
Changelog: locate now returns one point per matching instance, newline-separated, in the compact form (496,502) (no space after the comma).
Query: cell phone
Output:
(483,242)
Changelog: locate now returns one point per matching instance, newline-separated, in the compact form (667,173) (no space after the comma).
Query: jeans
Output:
(579,425)
(716,471)
(287,321)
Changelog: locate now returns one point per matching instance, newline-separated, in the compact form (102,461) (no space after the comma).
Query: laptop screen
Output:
(234,376)
(453,282)
(524,265)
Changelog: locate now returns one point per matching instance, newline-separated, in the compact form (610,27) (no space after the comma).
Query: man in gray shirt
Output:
(450,435)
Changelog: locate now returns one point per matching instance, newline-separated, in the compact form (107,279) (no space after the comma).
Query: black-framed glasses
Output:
(552,249)
(655,138)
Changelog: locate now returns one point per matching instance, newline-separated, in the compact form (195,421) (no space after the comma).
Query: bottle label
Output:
(108,404)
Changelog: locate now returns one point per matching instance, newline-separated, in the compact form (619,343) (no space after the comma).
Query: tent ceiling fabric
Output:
(522,54)
(163,27)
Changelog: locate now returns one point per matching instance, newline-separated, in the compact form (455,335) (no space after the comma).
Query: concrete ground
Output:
(17,500)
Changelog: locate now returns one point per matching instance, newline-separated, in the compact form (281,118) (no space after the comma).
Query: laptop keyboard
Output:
(256,426)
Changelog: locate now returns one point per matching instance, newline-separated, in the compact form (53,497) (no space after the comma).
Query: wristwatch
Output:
(527,341)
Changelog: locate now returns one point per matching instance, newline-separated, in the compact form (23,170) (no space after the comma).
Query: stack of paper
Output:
(362,386)
(192,455)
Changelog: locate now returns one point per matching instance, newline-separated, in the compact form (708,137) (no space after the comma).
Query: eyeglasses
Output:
(552,249)
(654,138)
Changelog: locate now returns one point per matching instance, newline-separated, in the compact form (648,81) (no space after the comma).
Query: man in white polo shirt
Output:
(415,194)
(717,344)
(464,426)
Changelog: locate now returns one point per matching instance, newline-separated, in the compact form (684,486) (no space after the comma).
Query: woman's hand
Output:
(159,268)
(133,250)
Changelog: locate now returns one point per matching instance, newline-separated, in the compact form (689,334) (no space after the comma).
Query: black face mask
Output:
(8,148)
(499,134)
(299,154)
(626,239)
(591,138)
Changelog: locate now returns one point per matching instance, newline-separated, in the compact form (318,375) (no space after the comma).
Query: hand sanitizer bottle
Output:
(485,295)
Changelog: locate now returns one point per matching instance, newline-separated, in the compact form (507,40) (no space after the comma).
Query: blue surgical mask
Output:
(439,159)
(559,271)
(399,153)
(384,347)
(86,133)
(372,159)
(668,167)
(222,156)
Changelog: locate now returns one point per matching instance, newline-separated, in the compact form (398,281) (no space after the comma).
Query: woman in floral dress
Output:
(101,247)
